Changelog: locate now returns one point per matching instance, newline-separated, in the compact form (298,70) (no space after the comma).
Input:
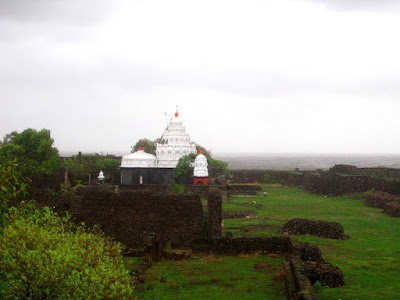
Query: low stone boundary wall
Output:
(244,189)
(330,230)
(378,171)
(388,202)
(392,209)
(320,182)
(315,267)
(380,199)
(304,267)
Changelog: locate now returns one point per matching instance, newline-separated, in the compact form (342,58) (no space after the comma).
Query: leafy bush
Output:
(217,168)
(43,256)
(12,187)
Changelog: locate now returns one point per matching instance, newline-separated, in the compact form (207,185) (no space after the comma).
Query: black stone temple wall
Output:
(131,176)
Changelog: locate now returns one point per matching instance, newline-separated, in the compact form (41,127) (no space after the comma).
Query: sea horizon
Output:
(288,161)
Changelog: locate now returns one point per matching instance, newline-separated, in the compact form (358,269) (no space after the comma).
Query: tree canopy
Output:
(33,149)
(147,145)
(82,164)
(184,168)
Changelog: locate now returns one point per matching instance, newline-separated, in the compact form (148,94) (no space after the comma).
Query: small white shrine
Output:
(200,172)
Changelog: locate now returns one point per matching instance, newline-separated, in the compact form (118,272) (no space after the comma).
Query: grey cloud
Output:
(250,82)
(361,5)
(37,75)
(74,12)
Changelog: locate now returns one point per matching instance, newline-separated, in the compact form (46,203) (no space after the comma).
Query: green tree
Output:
(147,145)
(184,168)
(108,165)
(43,256)
(80,165)
(217,168)
(33,149)
(206,152)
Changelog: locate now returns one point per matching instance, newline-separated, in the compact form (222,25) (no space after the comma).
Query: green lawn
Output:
(215,277)
(369,259)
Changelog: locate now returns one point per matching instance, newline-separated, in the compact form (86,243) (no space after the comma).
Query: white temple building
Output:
(144,168)
(174,143)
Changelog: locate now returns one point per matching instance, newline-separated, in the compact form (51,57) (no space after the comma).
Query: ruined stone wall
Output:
(388,202)
(247,176)
(131,217)
(244,189)
(133,214)
(214,212)
(322,183)
(330,230)
(353,170)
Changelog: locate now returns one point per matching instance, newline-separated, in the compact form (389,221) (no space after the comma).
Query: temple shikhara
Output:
(145,168)
(174,143)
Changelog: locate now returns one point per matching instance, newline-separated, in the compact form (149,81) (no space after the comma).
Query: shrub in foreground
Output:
(43,256)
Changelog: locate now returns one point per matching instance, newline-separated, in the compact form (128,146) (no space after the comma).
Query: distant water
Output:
(289,161)
(270,161)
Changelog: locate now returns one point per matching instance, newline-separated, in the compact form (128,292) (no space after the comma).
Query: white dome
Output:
(139,159)
(200,166)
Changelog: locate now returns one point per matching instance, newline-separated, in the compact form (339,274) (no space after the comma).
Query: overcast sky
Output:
(249,76)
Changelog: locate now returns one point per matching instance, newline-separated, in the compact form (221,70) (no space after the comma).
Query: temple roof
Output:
(139,159)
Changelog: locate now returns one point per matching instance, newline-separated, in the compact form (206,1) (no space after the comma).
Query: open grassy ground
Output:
(216,277)
(369,259)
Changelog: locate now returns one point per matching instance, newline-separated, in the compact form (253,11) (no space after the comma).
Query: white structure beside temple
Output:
(174,143)
(200,166)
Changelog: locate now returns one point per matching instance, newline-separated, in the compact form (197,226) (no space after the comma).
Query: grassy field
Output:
(369,259)
(211,277)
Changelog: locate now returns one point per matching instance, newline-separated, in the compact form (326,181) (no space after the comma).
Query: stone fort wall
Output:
(131,217)
(134,214)
(321,182)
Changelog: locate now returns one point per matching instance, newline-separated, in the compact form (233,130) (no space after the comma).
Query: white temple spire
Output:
(174,143)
